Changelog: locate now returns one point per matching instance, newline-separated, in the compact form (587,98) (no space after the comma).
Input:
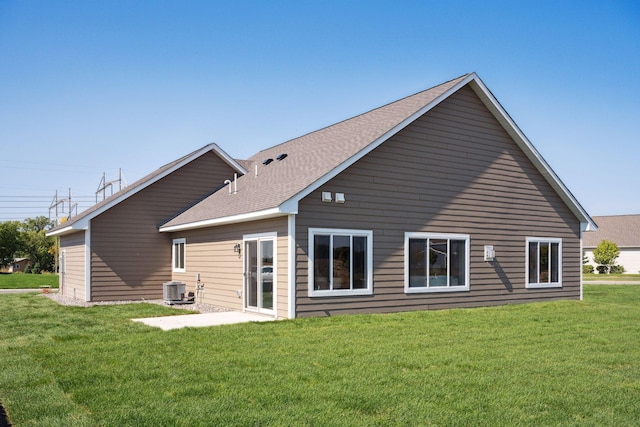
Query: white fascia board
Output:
(586,223)
(252,216)
(79,226)
(292,204)
(60,232)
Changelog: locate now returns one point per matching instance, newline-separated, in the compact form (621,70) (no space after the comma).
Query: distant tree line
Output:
(27,239)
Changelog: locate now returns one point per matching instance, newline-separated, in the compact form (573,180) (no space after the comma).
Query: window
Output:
(544,262)
(177,255)
(436,262)
(340,262)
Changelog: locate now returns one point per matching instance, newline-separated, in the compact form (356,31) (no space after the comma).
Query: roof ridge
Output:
(173,162)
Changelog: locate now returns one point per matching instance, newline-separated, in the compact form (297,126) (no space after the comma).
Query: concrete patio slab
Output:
(167,323)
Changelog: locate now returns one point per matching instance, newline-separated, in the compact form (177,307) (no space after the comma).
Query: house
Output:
(436,200)
(624,231)
(18,265)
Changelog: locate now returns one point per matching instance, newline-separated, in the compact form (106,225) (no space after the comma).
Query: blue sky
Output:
(88,87)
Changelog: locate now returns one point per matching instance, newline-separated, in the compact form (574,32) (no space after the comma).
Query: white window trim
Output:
(557,284)
(341,292)
(419,235)
(173,256)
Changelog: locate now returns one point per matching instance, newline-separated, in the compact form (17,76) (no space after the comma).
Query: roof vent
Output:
(266,162)
(281,156)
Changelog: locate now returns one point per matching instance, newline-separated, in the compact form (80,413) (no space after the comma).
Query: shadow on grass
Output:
(4,421)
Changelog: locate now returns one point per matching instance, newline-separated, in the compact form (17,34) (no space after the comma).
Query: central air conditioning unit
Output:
(173,291)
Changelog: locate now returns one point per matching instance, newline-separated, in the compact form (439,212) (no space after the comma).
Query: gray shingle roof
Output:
(309,158)
(623,230)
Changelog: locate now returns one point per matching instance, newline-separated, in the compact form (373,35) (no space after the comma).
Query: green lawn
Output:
(560,363)
(27,281)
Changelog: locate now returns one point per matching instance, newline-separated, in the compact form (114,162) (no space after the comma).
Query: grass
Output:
(28,281)
(558,363)
(612,277)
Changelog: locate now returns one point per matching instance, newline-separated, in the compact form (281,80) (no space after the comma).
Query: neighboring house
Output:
(433,201)
(624,231)
(18,265)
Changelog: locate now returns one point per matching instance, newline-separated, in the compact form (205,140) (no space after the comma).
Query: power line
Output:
(44,197)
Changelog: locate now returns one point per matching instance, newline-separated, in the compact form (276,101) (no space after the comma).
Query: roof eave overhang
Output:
(79,226)
(232,219)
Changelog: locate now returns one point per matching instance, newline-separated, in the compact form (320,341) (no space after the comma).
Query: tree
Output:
(586,267)
(9,241)
(37,224)
(36,245)
(605,255)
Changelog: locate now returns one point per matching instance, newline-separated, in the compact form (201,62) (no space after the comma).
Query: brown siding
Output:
(72,279)
(454,170)
(209,251)
(130,259)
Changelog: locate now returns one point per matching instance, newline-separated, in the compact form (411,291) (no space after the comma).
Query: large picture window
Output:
(436,262)
(340,262)
(544,262)
(178,255)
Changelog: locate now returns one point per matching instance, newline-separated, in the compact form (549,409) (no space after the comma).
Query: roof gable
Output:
(276,188)
(81,221)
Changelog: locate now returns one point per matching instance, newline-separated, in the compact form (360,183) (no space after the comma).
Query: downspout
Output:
(291,263)
(581,278)
(61,270)
(87,263)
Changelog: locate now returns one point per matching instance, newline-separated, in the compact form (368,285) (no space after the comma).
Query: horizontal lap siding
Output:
(209,251)
(455,170)
(130,258)
(73,278)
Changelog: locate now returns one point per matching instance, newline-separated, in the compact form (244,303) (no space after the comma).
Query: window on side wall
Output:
(436,262)
(178,255)
(544,262)
(340,262)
